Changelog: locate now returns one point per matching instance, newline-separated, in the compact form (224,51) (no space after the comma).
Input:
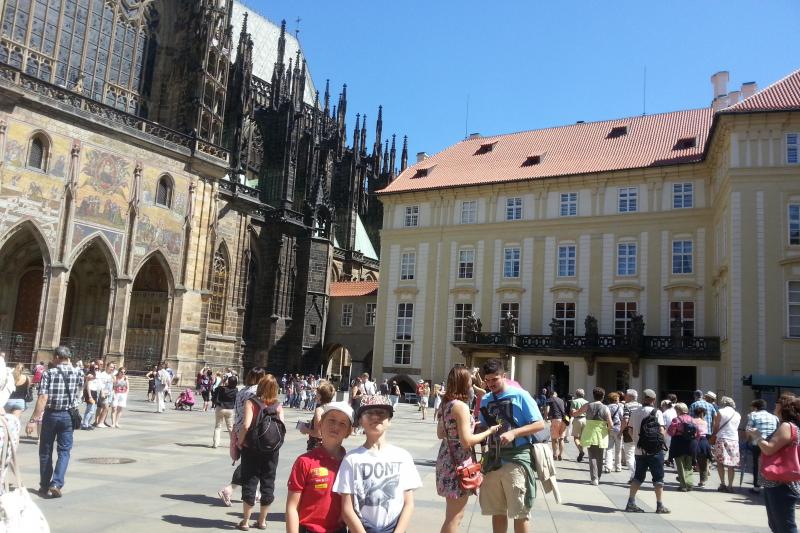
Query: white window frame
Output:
(404,324)
(561,312)
(469,212)
(627,260)
(567,260)
(793,217)
(408,266)
(568,206)
(347,315)
(679,309)
(411,219)
(506,307)
(514,208)
(370,312)
(512,258)
(792,308)
(622,324)
(628,199)
(681,254)
(466,263)
(460,313)
(683,195)
(402,353)
(793,148)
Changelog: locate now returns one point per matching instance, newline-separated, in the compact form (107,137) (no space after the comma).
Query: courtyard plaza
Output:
(173,483)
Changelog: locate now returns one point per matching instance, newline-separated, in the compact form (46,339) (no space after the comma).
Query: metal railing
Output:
(17,346)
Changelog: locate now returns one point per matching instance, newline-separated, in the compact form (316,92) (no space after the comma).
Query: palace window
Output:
(219,282)
(681,257)
(405,322)
(462,311)
(469,212)
(628,199)
(566,260)
(565,317)
(511,258)
(466,264)
(369,318)
(505,308)
(626,259)
(37,153)
(794,224)
(682,195)
(623,312)
(411,219)
(347,315)
(793,301)
(792,144)
(569,204)
(402,353)
(683,311)
(164,192)
(514,208)
(408,265)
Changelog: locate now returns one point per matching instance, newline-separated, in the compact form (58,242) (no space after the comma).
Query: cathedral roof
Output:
(783,95)
(363,242)
(265,34)
(353,288)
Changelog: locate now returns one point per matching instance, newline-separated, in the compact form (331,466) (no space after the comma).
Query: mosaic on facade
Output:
(103,188)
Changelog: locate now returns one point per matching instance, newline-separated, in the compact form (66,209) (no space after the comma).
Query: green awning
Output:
(766,380)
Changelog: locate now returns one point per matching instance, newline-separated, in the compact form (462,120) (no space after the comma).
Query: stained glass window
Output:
(219,280)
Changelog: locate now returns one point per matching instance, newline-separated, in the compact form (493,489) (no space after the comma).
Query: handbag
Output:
(74,414)
(712,440)
(469,472)
(784,465)
(626,434)
(18,512)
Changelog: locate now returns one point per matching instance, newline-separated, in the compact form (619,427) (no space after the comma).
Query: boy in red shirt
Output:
(312,506)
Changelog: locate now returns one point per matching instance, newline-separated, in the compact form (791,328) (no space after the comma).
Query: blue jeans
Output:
(16,403)
(56,426)
(88,415)
(780,502)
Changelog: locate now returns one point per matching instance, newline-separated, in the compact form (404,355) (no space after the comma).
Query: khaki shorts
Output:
(577,427)
(503,493)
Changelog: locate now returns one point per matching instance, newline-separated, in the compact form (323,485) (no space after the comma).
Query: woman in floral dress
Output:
(455,429)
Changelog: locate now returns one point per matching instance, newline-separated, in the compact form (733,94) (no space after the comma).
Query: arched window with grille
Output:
(164,192)
(219,282)
(37,153)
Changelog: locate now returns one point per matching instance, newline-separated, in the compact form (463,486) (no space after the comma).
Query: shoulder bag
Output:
(470,475)
(18,512)
(72,409)
(783,466)
(712,440)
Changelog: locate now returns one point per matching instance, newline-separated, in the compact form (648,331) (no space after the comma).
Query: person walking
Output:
(458,440)
(766,423)
(437,401)
(781,498)
(120,400)
(628,444)
(394,395)
(90,398)
(206,382)
(151,384)
(16,401)
(162,382)
(668,408)
(703,454)
(614,450)
(557,413)
(726,447)
(647,429)
(706,401)
(595,432)
(578,420)
(224,400)
(683,445)
(58,393)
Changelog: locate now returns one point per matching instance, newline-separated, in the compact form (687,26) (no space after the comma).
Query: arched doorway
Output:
(147,315)
(406,384)
(338,367)
(85,322)
(22,260)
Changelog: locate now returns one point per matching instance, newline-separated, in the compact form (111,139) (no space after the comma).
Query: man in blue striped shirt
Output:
(766,423)
(705,401)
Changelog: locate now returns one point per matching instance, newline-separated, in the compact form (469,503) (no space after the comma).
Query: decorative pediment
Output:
(564,290)
(682,289)
(510,289)
(468,290)
(792,260)
(406,291)
(626,286)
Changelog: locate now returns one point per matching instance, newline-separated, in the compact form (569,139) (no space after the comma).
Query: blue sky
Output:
(529,64)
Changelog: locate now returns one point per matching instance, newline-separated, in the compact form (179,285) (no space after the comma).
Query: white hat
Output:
(711,394)
(421,381)
(342,407)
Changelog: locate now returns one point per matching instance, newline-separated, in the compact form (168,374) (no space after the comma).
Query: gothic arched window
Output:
(164,192)
(37,153)
(219,281)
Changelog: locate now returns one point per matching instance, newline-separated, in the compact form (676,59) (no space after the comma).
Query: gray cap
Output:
(649,393)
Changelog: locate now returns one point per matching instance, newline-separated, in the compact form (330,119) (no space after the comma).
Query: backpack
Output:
(267,432)
(689,431)
(651,441)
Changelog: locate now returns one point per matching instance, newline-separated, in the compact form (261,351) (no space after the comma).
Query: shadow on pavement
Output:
(194,498)
(196,522)
(593,508)
(192,445)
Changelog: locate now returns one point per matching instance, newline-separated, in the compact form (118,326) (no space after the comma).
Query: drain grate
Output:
(107,460)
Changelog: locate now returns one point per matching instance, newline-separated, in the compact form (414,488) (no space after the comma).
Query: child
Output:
(377,480)
(312,506)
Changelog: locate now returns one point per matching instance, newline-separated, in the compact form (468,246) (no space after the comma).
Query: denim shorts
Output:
(653,463)
(16,403)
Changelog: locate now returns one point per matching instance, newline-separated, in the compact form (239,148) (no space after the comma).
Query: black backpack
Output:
(651,441)
(689,431)
(268,431)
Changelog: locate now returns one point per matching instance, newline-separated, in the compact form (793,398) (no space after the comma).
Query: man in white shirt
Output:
(105,387)
(163,378)
(369,386)
(647,459)
(628,448)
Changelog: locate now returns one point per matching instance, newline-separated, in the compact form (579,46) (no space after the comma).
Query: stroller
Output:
(185,401)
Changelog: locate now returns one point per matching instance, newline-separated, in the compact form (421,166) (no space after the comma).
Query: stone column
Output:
(119,305)
(54,295)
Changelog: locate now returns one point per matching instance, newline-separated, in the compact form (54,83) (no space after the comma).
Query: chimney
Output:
(474,135)
(720,81)
(421,156)
(733,98)
(749,89)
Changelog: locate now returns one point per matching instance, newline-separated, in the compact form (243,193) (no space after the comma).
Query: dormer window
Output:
(420,173)
(164,192)
(532,160)
(617,131)
(485,148)
(685,143)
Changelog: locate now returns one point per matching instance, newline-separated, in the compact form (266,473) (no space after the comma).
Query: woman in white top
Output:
(726,448)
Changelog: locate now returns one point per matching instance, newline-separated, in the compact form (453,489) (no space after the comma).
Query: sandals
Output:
(260,526)
(242,526)
(226,499)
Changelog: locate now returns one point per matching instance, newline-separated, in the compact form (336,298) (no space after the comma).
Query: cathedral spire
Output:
(376,147)
(327,96)
(364,136)
(392,158)
(404,155)
(282,43)
(278,81)
(356,133)
(385,170)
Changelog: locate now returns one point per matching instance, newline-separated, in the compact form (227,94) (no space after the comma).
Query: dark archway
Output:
(85,323)
(405,383)
(148,315)
(22,258)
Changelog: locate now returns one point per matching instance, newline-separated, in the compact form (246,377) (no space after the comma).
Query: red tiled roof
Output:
(566,150)
(783,95)
(353,288)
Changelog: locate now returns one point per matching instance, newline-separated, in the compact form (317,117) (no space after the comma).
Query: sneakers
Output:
(580,457)
(606,470)
(662,510)
(54,491)
(633,508)
(595,482)
(618,469)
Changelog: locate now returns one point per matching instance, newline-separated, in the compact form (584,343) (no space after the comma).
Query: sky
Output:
(443,68)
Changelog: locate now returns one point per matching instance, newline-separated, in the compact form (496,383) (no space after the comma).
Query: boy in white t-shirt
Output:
(377,480)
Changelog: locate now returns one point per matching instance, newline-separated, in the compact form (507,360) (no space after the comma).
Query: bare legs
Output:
(454,513)
(500,525)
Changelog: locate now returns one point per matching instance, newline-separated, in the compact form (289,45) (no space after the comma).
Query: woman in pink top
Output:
(120,399)
(703,453)
(683,445)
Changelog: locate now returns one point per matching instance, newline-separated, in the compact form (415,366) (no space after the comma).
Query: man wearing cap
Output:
(646,462)
(311,505)
(705,401)
(59,392)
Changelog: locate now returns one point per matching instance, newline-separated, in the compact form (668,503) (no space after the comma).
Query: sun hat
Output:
(649,393)
(374,401)
(342,407)
(712,395)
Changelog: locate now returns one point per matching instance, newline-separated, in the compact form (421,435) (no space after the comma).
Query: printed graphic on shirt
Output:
(378,484)
(319,477)
(503,411)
